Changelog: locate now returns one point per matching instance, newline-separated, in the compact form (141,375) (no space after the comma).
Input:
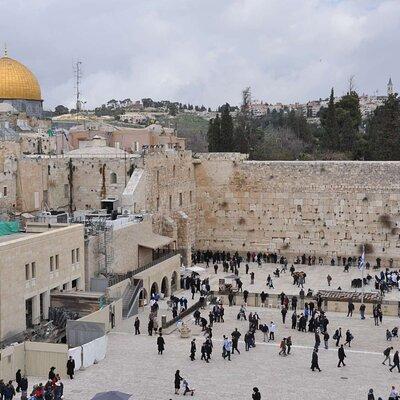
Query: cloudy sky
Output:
(204,51)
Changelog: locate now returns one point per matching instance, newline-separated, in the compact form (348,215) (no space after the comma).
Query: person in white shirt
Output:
(272,329)
(394,394)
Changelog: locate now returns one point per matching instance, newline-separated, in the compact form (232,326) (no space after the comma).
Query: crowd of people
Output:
(53,389)
(309,319)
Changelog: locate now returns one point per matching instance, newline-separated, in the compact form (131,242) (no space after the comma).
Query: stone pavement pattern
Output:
(133,366)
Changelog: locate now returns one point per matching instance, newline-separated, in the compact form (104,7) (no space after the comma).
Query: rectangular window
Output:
(27,272)
(180,199)
(73,256)
(45,197)
(170,202)
(51,263)
(5,191)
(33,270)
(57,262)
(158,177)
(77,254)
(158,203)
(190,196)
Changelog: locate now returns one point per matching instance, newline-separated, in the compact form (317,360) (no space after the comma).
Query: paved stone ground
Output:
(316,278)
(133,366)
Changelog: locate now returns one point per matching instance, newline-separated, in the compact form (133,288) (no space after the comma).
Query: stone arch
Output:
(154,288)
(165,286)
(113,178)
(143,297)
(174,282)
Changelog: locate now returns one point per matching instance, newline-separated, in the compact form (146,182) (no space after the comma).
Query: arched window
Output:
(113,178)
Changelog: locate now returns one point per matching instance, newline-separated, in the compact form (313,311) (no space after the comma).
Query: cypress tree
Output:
(226,130)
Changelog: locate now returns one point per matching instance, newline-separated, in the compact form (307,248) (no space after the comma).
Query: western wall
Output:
(321,208)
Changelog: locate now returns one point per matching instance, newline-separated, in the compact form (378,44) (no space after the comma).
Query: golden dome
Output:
(17,82)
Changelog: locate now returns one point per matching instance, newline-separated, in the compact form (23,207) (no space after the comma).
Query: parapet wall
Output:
(325,209)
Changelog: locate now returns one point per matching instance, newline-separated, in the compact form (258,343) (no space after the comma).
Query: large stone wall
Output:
(171,196)
(324,209)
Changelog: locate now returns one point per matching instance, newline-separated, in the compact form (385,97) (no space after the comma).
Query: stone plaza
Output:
(133,366)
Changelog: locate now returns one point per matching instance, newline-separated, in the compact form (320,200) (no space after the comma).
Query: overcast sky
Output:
(204,51)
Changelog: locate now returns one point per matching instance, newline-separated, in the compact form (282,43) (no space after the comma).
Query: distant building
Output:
(390,87)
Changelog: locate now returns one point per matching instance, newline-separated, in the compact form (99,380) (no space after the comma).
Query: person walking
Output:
(137,326)
(349,338)
(71,367)
(294,320)
(177,381)
(160,344)
(329,280)
(337,336)
(396,361)
(362,311)
(282,347)
(314,361)
(272,329)
(18,377)
(326,339)
(192,349)
(386,353)
(24,387)
(284,312)
(228,349)
(341,356)
(288,344)
(350,309)
(371,394)
(186,388)
(235,340)
(256,394)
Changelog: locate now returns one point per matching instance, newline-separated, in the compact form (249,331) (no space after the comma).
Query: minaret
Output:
(390,87)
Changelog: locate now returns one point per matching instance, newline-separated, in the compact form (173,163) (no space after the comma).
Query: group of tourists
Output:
(53,389)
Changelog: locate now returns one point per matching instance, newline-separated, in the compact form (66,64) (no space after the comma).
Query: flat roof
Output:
(13,236)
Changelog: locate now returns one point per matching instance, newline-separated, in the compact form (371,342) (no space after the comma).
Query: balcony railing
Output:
(116,278)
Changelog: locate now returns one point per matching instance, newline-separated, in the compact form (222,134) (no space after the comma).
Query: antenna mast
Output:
(78,77)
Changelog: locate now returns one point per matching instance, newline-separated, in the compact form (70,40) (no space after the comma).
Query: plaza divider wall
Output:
(389,308)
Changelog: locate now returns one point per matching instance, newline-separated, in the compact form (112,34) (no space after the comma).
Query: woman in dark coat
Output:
(178,379)
(18,378)
(160,344)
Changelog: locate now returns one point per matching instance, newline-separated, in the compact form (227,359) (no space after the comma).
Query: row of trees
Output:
(342,133)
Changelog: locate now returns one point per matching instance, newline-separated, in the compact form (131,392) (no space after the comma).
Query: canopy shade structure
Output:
(154,241)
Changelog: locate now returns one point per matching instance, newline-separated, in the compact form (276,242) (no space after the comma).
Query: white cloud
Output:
(204,52)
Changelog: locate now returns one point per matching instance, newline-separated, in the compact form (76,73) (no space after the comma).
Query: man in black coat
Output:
(160,344)
(71,367)
(396,362)
(192,349)
(341,355)
(314,361)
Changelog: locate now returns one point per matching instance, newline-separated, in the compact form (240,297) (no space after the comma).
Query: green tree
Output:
(329,139)
(225,141)
(383,131)
(214,134)
(60,110)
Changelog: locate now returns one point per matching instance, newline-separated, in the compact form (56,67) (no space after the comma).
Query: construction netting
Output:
(9,227)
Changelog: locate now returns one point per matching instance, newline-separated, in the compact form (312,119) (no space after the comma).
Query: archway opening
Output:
(164,287)
(154,289)
(142,297)
(174,282)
